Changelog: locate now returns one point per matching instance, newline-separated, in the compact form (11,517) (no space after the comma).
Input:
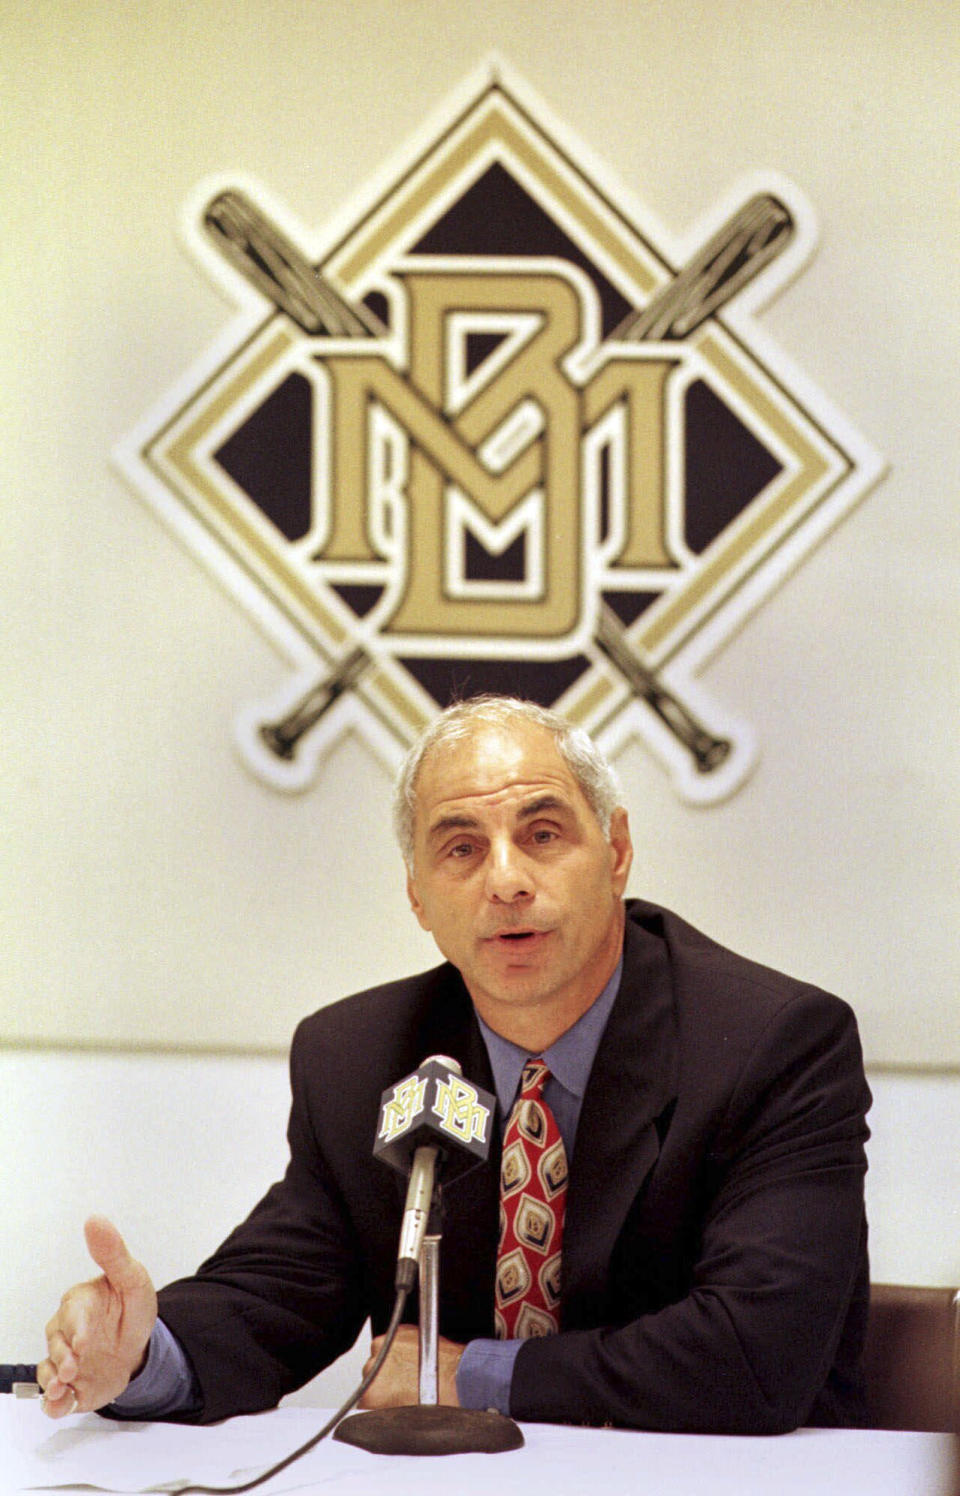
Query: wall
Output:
(140,859)
(176,1149)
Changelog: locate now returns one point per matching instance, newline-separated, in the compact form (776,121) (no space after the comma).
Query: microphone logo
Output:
(435,1107)
(461,1112)
(402,1109)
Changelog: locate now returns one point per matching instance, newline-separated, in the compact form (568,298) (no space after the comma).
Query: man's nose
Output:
(508,874)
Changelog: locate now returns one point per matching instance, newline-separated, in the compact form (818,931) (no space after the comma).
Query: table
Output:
(565,1461)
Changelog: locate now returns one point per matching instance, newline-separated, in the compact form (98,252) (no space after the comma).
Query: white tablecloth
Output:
(87,1450)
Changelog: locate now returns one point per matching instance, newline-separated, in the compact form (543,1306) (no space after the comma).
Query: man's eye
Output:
(461,849)
(544,834)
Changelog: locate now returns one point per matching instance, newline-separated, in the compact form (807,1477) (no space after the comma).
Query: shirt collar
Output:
(569,1059)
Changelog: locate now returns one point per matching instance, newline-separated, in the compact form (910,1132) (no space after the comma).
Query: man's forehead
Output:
(514,763)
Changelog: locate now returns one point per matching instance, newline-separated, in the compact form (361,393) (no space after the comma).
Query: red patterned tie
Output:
(533,1197)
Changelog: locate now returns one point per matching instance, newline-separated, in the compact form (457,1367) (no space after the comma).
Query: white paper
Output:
(37,1454)
(111,1456)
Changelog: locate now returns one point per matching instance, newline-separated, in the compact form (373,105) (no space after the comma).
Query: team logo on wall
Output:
(492,428)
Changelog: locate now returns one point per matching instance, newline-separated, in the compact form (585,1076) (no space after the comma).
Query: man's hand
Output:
(398,1381)
(98,1337)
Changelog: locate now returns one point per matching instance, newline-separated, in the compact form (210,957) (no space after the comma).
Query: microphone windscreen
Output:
(435,1107)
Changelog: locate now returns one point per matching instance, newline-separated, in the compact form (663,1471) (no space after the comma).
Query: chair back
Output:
(912,1358)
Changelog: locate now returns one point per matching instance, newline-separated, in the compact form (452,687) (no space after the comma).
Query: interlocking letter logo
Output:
(403,1108)
(499,432)
(460,1111)
(497,458)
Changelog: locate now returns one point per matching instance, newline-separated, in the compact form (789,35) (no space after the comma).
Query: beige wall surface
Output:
(176,1149)
(153,892)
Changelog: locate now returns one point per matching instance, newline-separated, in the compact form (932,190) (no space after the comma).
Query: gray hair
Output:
(597,780)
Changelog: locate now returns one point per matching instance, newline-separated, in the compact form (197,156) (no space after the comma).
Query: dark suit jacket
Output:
(714,1257)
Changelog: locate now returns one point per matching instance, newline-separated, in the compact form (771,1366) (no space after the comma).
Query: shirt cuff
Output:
(485,1373)
(164,1387)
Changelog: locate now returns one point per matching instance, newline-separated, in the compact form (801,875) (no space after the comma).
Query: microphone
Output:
(433,1122)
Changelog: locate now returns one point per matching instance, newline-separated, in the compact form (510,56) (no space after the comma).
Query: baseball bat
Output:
(253,244)
(282,736)
(747,241)
(754,235)
(707,751)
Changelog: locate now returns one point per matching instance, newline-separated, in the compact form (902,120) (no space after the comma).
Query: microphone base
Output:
(429,1429)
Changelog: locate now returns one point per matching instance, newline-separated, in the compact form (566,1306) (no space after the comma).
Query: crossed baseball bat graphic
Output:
(747,241)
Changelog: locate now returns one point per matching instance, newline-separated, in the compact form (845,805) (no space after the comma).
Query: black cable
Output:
(351,1402)
(11,1375)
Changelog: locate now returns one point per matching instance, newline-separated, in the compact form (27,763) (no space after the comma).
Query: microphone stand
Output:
(429,1316)
(427,1427)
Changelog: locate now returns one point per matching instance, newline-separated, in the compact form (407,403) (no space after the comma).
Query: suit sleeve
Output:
(750,1346)
(282,1297)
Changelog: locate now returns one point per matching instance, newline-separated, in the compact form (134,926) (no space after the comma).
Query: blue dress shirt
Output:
(486,1366)
(166,1385)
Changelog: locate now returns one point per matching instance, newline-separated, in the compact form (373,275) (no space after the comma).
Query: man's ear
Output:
(621,850)
(416,904)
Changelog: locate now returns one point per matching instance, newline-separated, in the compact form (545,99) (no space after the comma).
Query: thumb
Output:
(109,1251)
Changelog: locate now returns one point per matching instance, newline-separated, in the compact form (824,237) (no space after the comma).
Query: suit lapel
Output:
(632,1082)
(471,1218)
(447,1025)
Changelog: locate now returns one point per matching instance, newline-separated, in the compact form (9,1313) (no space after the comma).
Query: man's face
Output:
(514,878)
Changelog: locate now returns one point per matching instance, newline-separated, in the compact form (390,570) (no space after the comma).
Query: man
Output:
(712,1261)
